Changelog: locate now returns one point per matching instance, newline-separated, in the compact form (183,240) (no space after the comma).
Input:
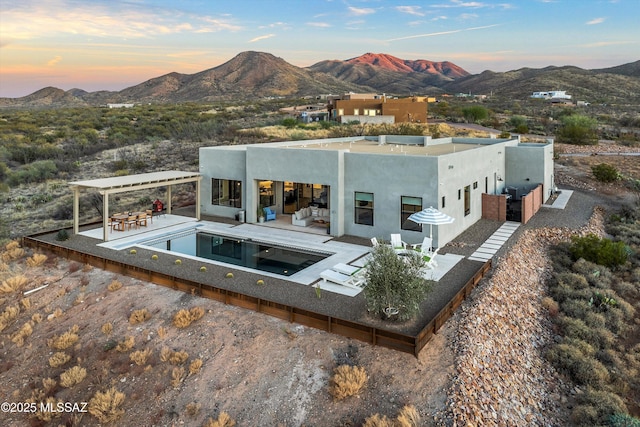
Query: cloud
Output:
(33,20)
(266,36)
(441,33)
(604,44)
(54,61)
(361,11)
(319,24)
(595,21)
(411,10)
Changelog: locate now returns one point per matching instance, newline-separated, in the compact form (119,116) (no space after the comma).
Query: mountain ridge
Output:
(253,74)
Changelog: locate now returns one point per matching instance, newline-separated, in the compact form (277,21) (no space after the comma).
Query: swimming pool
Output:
(249,253)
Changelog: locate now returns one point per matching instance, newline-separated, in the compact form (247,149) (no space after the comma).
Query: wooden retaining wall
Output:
(372,335)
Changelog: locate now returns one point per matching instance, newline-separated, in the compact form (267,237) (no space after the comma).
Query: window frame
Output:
(359,209)
(233,187)
(404,214)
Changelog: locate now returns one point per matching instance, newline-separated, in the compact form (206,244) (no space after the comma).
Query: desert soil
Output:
(484,367)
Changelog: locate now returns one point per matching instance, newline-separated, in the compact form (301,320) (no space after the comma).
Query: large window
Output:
(226,192)
(363,208)
(408,206)
(267,197)
(467,200)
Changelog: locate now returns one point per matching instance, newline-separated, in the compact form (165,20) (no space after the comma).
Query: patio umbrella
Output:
(431,216)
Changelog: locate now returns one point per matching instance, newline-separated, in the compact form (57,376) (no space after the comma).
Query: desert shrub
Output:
(192,409)
(13,284)
(126,344)
(139,316)
(49,384)
(26,303)
(114,285)
(12,252)
(596,408)
(347,381)
(72,376)
(65,340)
(140,357)
(581,368)
(605,172)
(224,420)
(178,357)
(408,417)
(36,260)
(62,235)
(184,318)
(596,275)
(195,366)
(576,308)
(24,332)
(378,420)
(551,305)
(58,359)
(600,251)
(107,328)
(8,316)
(105,405)
(177,376)
(162,332)
(623,420)
(627,290)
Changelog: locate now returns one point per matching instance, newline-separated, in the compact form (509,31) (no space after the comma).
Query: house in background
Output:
(368,186)
(372,108)
(552,94)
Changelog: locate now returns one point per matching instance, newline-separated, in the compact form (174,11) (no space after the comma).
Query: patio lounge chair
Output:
(429,257)
(269,214)
(397,243)
(424,246)
(333,276)
(349,270)
(374,242)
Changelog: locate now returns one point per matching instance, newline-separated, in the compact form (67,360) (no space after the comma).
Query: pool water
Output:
(243,252)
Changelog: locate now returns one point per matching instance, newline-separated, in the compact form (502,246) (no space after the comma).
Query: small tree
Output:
(395,285)
(578,129)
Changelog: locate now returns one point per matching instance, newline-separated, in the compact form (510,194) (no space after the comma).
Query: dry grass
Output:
(72,376)
(408,417)
(114,285)
(177,375)
(347,381)
(105,405)
(12,251)
(107,328)
(139,316)
(126,344)
(140,357)
(65,340)
(13,284)
(162,332)
(9,315)
(378,420)
(26,303)
(177,357)
(36,260)
(36,318)
(192,409)
(224,420)
(49,384)
(195,366)
(184,318)
(24,332)
(58,359)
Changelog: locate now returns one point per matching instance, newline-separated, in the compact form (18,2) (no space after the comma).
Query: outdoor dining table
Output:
(122,218)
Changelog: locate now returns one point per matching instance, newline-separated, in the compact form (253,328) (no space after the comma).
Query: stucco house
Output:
(368,186)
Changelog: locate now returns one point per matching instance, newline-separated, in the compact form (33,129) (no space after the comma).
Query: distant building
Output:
(120,105)
(372,108)
(553,94)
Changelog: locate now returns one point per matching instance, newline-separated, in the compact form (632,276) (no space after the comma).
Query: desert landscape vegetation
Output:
(550,337)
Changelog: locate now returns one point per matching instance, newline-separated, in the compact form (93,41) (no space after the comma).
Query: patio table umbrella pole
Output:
(431,216)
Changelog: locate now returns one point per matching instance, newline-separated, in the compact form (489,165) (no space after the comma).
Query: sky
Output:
(113,44)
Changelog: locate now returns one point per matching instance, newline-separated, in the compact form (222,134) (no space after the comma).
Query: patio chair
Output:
(424,246)
(333,276)
(269,214)
(142,220)
(374,242)
(131,220)
(429,257)
(397,243)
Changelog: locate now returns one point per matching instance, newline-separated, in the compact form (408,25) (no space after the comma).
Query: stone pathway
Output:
(488,249)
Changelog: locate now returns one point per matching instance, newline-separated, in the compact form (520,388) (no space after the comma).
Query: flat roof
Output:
(373,147)
(164,177)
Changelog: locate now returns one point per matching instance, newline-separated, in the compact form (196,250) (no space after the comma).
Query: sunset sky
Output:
(110,45)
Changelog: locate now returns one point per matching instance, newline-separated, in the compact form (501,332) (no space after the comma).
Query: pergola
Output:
(120,184)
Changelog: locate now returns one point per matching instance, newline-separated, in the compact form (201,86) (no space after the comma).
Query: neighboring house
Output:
(370,185)
(120,105)
(552,94)
(371,108)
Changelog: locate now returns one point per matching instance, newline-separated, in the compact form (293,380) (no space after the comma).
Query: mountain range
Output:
(258,74)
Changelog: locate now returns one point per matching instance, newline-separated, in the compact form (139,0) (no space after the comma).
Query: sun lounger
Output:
(342,279)
(349,270)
